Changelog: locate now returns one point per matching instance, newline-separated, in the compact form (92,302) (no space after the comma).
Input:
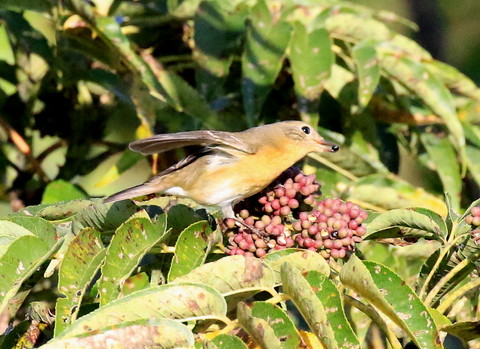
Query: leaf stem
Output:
(455,295)
(373,314)
(434,291)
(442,255)
(333,166)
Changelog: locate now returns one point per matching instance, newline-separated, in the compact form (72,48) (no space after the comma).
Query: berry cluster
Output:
(333,228)
(287,214)
(474,220)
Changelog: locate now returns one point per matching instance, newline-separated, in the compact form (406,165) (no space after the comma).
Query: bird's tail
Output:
(138,190)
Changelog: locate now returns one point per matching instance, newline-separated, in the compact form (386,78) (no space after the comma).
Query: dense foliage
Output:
(80,79)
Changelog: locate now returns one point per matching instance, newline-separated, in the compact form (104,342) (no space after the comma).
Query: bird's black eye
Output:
(306,129)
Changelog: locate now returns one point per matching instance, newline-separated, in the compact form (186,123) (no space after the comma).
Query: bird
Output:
(230,166)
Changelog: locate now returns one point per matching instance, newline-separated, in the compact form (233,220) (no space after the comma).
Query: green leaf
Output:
(368,70)
(304,261)
(131,242)
(444,159)
(232,274)
(390,294)
(26,37)
(105,217)
(331,299)
(389,193)
(166,86)
(465,330)
(149,333)
(266,40)
(414,76)
(191,250)
(20,259)
(60,210)
(182,302)
(312,310)
(258,328)
(60,190)
(472,156)
(454,80)
(217,34)
(225,341)
(422,219)
(278,320)
(126,161)
(31,5)
(134,283)
(79,266)
(311,60)
(350,25)
(35,225)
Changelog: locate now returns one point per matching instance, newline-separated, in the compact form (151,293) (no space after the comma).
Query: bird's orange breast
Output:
(246,175)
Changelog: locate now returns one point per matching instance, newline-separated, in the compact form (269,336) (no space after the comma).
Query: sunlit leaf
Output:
(179,302)
(131,242)
(388,292)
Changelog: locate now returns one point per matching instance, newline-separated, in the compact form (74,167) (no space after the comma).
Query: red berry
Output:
(284,200)
(476,211)
(285,211)
(361,230)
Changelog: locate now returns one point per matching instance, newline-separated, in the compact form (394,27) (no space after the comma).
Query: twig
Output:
(24,148)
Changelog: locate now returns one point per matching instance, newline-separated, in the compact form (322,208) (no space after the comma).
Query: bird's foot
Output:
(240,222)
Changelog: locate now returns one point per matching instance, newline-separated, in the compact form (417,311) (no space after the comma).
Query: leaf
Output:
(454,79)
(258,328)
(368,70)
(278,320)
(79,266)
(126,161)
(60,190)
(472,155)
(225,341)
(312,310)
(465,330)
(416,218)
(131,242)
(180,217)
(181,302)
(35,225)
(31,5)
(390,294)
(442,155)
(20,259)
(166,86)
(218,30)
(350,25)
(191,250)
(105,217)
(232,274)
(415,77)
(27,38)
(134,283)
(304,261)
(60,210)
(328,294)
(266,40)
(149,333)
(311,59)
(389,193)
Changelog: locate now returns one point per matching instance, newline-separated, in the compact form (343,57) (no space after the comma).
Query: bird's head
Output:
(306,136)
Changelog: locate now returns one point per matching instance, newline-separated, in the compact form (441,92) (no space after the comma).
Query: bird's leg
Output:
(227,212)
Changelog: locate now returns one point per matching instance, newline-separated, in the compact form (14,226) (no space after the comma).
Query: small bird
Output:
(230,166)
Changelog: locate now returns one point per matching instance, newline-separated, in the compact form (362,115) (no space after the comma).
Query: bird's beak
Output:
(327,146)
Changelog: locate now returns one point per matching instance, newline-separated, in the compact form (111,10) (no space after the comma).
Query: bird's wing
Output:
(163,142)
